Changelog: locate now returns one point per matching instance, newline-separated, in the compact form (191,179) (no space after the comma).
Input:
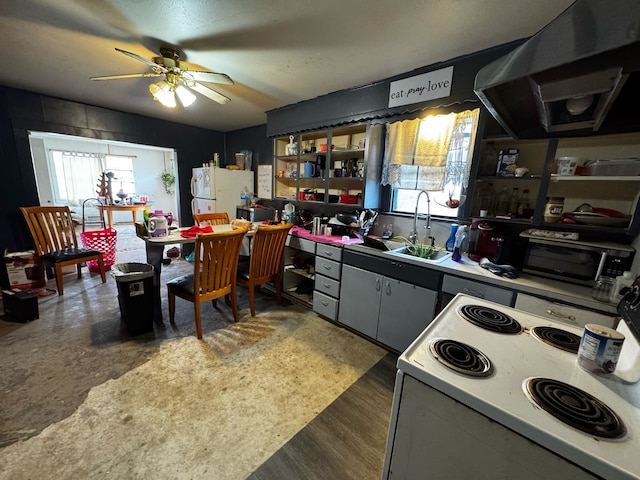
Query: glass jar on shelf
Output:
(553,209)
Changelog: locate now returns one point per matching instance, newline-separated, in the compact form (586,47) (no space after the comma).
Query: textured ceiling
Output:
(278,52)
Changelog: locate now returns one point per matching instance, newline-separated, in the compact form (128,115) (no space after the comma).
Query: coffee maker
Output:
(484,241)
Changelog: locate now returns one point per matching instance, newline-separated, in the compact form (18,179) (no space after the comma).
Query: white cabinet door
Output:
(405,311)
(360,299)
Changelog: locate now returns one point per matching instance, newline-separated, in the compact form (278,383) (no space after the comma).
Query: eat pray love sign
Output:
(428,86)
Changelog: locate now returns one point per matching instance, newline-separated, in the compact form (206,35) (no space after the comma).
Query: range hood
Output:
(578,75)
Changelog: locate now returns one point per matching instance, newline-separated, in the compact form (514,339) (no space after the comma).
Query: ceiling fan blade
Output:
(211,77)
(128,75)
(207,92)
(140,59)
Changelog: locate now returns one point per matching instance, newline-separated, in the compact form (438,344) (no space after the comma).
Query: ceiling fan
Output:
(178,80)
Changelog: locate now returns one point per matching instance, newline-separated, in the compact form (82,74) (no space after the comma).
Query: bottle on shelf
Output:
(513,201)
(488,198)
(523,205)
(502,206)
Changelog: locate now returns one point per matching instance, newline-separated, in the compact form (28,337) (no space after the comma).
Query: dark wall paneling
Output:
(254,139)
(370,101)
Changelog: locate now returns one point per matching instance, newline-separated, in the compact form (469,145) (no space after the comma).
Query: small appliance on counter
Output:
(484,242)
(577,261)
(255,214)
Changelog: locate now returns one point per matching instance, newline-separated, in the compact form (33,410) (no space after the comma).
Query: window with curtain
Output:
(433,154)
(75,175)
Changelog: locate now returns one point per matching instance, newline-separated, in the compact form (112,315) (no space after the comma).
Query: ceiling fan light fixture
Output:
(186,97)
(163,93)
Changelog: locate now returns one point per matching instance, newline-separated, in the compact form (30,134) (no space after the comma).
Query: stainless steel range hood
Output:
(578,75)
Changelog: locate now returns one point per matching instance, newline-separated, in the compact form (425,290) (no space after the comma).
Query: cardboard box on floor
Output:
(22,270)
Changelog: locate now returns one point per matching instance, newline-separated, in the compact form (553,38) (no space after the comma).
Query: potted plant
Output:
(168,180)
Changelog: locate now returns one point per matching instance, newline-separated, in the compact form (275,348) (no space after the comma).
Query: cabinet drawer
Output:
(328,286)
(325,306)
(329,251)
(303,244)
(455,285)
(560,312)
(328,268)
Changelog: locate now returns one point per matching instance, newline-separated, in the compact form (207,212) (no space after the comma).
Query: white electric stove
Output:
(465,401)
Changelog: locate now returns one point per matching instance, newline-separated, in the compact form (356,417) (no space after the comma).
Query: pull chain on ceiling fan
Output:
(178,80)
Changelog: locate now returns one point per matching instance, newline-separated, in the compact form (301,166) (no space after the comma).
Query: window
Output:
(75,175)
(432,154)
(122,168)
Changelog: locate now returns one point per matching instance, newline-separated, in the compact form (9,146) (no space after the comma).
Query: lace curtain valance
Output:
(426,154)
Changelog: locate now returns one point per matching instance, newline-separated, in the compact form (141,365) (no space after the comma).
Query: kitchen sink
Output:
(438,257)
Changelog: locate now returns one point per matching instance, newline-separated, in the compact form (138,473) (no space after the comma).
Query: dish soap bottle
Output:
(452,238)
(457,246)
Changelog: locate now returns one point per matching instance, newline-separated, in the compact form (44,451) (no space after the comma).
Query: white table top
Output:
(175,237)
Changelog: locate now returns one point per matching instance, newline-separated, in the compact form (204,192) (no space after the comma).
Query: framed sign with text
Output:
(428,86)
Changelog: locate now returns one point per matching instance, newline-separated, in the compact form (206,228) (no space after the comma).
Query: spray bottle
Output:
(457,246)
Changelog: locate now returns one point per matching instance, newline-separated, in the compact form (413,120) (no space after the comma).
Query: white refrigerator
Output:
(218,189)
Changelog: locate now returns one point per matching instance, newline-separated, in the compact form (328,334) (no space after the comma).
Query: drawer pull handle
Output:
(473,293)
(325,303)
(327,267)
(561,315)
(328,254)
(377,284)
(326,285)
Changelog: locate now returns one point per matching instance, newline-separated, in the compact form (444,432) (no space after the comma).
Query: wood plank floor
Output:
(345,441)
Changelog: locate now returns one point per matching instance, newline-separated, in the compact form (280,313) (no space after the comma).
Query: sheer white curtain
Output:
(77,174)
(429,153)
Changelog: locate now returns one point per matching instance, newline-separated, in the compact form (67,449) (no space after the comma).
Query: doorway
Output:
(138,171)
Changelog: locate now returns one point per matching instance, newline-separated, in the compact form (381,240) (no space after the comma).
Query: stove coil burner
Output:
(576,408)
(461,357)
(558,338)
(490,319)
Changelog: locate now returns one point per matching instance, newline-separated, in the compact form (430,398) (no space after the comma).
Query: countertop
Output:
(331,239)
(570,293)
(542,287)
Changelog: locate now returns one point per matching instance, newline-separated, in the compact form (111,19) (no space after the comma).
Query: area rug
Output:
(216,408)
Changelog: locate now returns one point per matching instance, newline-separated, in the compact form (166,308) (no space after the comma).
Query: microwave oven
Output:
(576,261)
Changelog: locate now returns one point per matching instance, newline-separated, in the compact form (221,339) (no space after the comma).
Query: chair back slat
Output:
(51,228)
(266,251)
(213,218)
(216,262)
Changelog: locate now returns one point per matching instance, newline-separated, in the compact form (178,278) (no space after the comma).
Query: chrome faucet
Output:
(413,235)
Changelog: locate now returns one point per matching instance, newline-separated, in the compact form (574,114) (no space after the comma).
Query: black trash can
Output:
(135,295)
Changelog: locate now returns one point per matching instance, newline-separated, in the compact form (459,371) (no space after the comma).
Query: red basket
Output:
(104,241)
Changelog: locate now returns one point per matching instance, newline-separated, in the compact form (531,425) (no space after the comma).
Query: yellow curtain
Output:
(417,151)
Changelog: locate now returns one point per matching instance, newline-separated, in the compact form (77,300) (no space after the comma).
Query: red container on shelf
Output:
(349,199)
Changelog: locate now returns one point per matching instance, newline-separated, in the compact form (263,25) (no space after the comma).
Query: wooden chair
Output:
(215,268)
(56,244)
(214,218)
(267,246)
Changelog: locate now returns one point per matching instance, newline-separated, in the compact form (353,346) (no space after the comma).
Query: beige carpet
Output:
(214,409)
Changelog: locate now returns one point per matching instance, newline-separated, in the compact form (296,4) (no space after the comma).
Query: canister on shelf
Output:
(553,209)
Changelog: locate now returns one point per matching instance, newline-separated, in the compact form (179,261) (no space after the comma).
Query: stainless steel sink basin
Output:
(438,257)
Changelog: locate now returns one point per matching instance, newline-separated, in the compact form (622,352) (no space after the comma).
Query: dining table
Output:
(154,248)
(122,208)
